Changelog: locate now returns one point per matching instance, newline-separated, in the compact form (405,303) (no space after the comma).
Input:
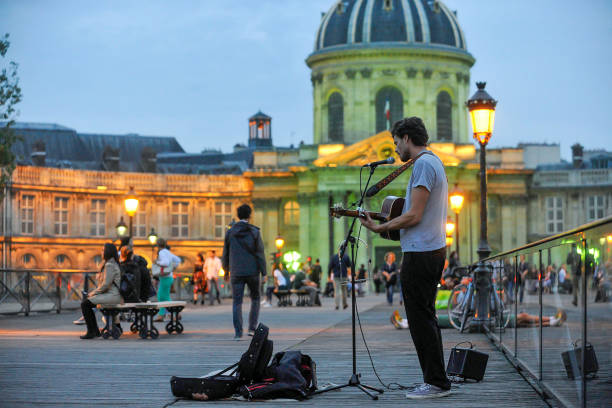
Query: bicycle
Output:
(461,306)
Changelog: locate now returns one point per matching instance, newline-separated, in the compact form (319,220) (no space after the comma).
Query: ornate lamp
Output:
(121,228)
(131,206)
(279,242)
(456,199)
(482,112)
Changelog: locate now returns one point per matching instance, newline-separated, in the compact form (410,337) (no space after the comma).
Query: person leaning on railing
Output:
(106,292)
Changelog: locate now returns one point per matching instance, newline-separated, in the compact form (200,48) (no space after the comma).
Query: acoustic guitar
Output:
(392,207)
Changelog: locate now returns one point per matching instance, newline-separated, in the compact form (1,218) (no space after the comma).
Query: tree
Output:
(10,95)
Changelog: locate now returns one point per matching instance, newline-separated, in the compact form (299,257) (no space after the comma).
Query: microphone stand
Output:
(350,239)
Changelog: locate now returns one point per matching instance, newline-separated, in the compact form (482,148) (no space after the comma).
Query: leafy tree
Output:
(10,95)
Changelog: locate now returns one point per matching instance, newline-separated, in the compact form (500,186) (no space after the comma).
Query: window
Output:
(389,108)
(444,109)
(97,217)
(335,117)
(595,207)
(291,213)
(62,261)
(554,215)
(97,261)
(60,215)
(140,221)
(27,214)
(223,216)
(28,261)
(180,220)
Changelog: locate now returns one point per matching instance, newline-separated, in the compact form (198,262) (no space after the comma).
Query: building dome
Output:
(395,23)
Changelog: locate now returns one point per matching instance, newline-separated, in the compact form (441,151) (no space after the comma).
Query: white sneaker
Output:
(80,321)
(426,391)
(263,302)
(267,305)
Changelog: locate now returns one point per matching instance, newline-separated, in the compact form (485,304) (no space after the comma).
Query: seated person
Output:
(106,291)
(301,282)
(279,283)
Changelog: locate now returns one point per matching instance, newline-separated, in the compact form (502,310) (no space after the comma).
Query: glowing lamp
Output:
(482,113)
(449,241)
(279,242)
(609,238)
(152,237)
(121,228)
(456,199)
(221,272)
(131,203)
(450,228)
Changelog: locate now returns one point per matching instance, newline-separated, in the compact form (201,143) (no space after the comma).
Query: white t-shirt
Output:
(280,277)
(212,266)
(562,275)
(166,258)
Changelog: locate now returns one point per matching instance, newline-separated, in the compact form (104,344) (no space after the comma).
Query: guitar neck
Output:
(354,213)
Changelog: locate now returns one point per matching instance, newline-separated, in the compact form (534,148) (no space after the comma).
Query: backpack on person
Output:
(147,290)
(129,286)
(250,368)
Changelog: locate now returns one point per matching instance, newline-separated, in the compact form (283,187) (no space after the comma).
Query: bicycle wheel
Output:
(458,305)
(501,310)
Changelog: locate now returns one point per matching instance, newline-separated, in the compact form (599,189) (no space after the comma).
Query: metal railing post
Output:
(58,291)
(516,294)
(586,269)
(540,346)
(27,293)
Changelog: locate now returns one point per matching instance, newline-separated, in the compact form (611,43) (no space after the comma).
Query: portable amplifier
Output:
(572,360)
(467,363)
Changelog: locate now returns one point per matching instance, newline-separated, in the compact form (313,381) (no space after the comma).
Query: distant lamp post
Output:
(131,206)
(450,229)
(456,199)
(482,112)
(153,241)
(121,228)
(279,242)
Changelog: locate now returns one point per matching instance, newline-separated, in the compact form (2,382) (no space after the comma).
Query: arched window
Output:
(97,261)
(389,108)
(62,261)
(335,118)
(29,261)
(444,117)
(291,213)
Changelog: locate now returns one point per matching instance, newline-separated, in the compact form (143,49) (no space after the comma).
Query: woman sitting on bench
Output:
(279,283)
(106,292)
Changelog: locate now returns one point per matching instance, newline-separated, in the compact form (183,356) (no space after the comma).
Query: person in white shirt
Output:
(168,261)
(212,266)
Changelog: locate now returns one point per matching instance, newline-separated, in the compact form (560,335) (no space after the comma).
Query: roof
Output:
(405,23)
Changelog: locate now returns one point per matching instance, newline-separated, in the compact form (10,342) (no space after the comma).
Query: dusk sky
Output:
(197,70)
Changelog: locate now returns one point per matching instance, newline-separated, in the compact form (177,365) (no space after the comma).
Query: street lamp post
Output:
(450,229)
(121,228)
(279,242)
(153,240)
(482,113)
(131,206)
(456,199)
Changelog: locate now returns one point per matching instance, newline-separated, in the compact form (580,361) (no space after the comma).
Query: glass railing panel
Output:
(528,310)
(562,322)
(598,259)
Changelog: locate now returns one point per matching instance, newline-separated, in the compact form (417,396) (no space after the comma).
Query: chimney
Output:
(110,159)
(39,153)
(577,150)
(148,160)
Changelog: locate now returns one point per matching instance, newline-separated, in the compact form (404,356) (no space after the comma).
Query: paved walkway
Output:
(43,363)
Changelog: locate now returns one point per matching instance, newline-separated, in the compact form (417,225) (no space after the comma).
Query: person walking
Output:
(339,271)
(315,273)
(389,273)
(423,241)
(167,262)
(106,291)
(574,263)
(244,261)
(199,280)
(212,266)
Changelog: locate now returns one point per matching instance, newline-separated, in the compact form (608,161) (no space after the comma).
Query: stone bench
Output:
(143,318)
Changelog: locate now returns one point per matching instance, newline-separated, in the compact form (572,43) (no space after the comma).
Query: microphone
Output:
(388,160)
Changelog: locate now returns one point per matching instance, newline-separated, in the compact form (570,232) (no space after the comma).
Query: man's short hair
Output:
(244,212)
(414,128)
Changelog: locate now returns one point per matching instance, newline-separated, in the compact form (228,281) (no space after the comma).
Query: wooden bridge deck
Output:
(43,363)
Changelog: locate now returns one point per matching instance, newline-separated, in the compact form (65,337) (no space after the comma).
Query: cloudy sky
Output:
(197,70)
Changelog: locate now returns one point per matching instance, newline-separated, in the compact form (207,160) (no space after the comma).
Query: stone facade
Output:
(60,218)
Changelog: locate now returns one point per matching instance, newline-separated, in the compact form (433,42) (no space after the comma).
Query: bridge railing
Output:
(559,292)
(47,290)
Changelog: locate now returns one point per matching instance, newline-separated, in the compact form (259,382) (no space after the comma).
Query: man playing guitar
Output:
(422,238)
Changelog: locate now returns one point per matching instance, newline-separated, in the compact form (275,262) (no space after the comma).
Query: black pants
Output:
(90,317)
(420,274)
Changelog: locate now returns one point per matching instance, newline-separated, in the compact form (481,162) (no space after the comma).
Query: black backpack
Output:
(147,290)
(129,288)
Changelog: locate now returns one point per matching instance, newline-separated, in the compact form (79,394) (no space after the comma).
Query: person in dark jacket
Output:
(244,261)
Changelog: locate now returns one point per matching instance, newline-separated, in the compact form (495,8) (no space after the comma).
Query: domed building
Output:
(377,61)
